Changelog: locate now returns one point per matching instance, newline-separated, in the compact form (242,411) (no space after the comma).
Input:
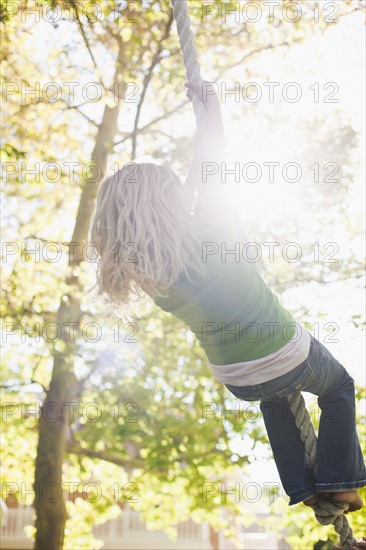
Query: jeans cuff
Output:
(339,487)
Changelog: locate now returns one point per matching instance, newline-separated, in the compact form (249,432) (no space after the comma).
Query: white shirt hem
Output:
(250,373)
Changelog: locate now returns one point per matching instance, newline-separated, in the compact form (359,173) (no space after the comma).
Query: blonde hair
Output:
(143,233)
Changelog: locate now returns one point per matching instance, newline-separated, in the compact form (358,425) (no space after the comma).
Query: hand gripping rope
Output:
(326,512)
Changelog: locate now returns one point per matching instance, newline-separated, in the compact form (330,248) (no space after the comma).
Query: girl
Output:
(252,342)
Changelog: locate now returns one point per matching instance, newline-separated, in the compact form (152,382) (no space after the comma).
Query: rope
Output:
(326,512)
(190,57)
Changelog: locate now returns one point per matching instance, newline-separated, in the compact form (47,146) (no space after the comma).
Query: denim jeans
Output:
(341,465)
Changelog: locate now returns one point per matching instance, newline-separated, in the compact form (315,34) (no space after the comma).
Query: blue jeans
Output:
(341,465)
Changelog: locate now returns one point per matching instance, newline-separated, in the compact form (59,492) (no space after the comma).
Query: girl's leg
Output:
(296,475)
(288,450)
(341,467)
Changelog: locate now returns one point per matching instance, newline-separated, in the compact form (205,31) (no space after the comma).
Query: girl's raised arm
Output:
(210,139)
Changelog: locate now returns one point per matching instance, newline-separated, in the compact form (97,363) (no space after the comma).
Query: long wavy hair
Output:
(143,233)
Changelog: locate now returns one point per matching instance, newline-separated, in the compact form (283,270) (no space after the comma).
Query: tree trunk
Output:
(51,514)
(49,501)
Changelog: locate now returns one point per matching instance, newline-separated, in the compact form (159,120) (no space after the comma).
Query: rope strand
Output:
(189,51)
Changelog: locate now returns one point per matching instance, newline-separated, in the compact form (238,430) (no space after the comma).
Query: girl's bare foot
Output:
(311,501)
(349,497)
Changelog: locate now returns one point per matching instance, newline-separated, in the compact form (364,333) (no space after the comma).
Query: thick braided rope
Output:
(326,512)
(190,58)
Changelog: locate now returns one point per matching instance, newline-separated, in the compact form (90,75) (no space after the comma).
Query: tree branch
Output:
(85,38)
(147,79)
(76,108)
(143,129)
(152,122)
(114,458)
